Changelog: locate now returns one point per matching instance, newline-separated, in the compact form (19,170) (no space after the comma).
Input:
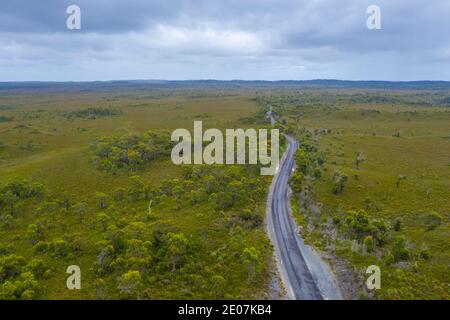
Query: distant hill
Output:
(235,84)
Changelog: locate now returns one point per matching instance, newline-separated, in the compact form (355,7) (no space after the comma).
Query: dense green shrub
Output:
(10,266)
(339,179)
(37,267)
(17,279)
(432,220)
(368,243)
(361,228)
(6,119)
(358,222)
(399,250)
(130,152)
(397,225)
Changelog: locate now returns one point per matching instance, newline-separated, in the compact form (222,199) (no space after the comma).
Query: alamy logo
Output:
(73,21)
(236,142)
(74,280)
(374,20)
(374,280)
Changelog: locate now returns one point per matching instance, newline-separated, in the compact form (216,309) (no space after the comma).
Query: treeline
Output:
(308,159)
(6,107)
(93,113)
(334,98)
(6,119)
(130,152)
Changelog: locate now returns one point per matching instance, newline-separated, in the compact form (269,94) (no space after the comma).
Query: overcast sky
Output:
(224,39)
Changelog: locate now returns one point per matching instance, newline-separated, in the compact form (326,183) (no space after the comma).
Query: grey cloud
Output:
(224,39)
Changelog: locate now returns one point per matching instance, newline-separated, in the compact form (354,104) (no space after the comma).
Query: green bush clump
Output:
(18,279)
(308,159)
(432,220)
(339,180)
(360,226)
(21,189)
(130,152)
(399,250)
(368,243)
(6,119)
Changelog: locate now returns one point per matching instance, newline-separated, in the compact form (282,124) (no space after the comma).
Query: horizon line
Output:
(216,80)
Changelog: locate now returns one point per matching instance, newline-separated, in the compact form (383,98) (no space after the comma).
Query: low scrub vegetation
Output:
(93,113)
(130,152)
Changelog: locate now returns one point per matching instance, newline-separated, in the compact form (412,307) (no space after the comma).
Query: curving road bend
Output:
(305,275)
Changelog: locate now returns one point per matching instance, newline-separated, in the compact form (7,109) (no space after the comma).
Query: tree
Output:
(36,267)
(252,262)
(296,181)
(339,180)
(359,158)
(102,220)
(400,178)
(66,201)
(119,194)
(250,216)
(101,200)
(136,190)
(130,284)
(424,253)
(26,286)
(177,245)
(399,250)
(6,221)
(178,192)
(137,248)
(34,233)
(187,171)
(10,200)
(10,266)
(218,283)
(302,160)
(50,208)
(100,289)
(137,254)
(379,230)
(80,209)
(358,222)
(60,248)
(105,257)
(117,238)
(136,230)
(368,243)
(28,294)
(8,291)
(317,173)
(397,225)
(222,200)
(37,190)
